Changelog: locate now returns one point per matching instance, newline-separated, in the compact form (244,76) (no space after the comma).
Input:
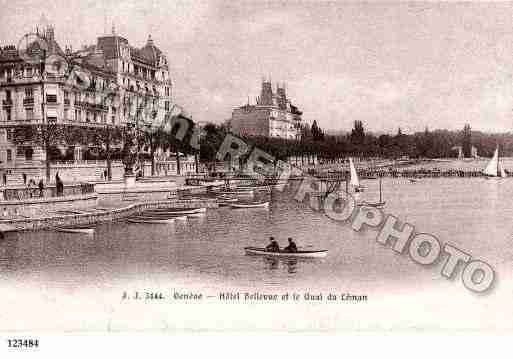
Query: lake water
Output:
(67,281)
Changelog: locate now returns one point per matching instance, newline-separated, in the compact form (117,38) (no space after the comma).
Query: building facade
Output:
(273,115)
(109,83)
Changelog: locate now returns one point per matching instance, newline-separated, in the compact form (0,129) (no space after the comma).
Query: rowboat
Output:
(171,211)
(76,230)
(249,205)
(255,251)
(164,215)
(239,193)
(150,220)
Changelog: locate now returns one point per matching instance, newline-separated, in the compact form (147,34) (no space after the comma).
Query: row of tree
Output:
(360,143)
(110,143)
(105,142)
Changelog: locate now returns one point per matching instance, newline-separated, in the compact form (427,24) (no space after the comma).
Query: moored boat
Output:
(76,230)
(177,211)
(149,220)
(249,205)
(301,254)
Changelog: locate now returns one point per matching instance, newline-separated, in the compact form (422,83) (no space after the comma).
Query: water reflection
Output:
(273,263)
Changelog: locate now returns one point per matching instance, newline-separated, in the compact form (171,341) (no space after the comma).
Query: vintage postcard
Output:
(255,166)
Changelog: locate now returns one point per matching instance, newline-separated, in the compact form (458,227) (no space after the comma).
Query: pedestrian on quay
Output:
(58,184)
(41,186)
(29,188)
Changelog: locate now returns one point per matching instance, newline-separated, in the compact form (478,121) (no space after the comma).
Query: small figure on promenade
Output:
(273,246)
(291,248)
(58,184)
(105,173)
(24,178)
(41,186)
(29,188)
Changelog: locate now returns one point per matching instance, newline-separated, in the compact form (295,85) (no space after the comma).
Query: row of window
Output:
(141,71)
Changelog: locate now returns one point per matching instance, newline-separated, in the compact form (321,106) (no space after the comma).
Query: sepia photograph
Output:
(255,167)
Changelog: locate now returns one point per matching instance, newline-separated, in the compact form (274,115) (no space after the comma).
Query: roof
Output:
(151,52)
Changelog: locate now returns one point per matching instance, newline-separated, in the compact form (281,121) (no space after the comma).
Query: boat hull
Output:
(259,205)
(255,251)
(166,211)
(76,230)
(150,221)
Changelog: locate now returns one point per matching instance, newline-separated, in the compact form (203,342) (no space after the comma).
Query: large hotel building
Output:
(140,77)
(273,115)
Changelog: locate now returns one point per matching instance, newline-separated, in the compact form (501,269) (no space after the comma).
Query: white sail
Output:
(502,173)
(354,176)
(493,166)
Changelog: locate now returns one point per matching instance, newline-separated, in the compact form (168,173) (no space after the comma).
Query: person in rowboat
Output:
(291,248)
(273,246)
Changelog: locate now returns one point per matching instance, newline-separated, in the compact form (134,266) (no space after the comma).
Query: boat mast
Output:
(498,167)
(380,190)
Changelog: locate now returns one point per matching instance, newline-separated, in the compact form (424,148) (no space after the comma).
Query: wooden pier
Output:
(407,173)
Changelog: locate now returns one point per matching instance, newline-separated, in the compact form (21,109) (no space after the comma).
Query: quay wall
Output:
(42,223)
(34,207)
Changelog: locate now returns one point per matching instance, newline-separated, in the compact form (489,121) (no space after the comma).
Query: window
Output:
(29,113)
(8,95)
(9,155)
(51,115)
(29,92)
(66,114)
(29,71)
(51,98)
(166,105)
(66,96)
(8,113)
(29,153)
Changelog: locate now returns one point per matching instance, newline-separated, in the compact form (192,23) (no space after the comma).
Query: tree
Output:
(467,141)
(317,133)
(105,138)
(358,133)
(45,136)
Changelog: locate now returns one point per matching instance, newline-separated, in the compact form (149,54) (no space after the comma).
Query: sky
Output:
(390,65)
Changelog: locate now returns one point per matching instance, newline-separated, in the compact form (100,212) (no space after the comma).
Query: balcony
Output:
(7,103)
(28,101)
(91,106)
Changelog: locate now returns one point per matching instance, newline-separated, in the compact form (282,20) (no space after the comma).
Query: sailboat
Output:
(494,168)
(354,181)
(379,204)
